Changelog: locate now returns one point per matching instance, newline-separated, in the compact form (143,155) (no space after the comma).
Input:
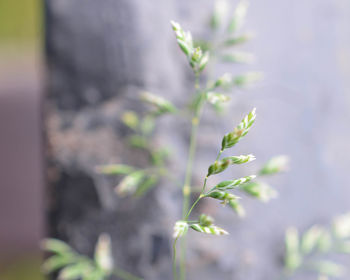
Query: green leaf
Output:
(56,246)
(214,230)
(57,262)
(115,169)
(260,190)
(103,253)
(73,272)
(275,165)
(232,138)
(238,17)
(180,229)
(95,275)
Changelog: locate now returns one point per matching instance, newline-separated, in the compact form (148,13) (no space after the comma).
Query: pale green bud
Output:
(205,220)
(216,98)
(237,207)
(219,14)
(341,226)
(293,258)
(103,253)
(203,61)
(310,239)
(240,131)
(180,229)
(259,190)
(214,230)
(275,165)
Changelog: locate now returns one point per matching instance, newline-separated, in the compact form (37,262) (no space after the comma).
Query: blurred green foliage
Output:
(26,268)
(20,20)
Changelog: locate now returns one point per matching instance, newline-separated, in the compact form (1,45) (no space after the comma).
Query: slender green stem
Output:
(193,143)
(184,243)
(122,274)
(186,210)
(193,205)
(202,194)
(188,177)
(174,259)
(198,199)
(187,191)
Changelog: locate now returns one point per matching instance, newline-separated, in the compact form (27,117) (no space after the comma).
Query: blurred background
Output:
(97,54)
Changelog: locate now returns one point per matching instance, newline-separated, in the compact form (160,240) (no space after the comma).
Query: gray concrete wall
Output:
(303,48)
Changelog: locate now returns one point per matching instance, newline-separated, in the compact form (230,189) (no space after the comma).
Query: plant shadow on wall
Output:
(133,181)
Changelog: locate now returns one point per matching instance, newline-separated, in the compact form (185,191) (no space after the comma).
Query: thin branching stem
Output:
(219,155)
(184,245)
(202,194)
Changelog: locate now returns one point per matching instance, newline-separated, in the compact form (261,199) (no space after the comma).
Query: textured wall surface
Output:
(99,56)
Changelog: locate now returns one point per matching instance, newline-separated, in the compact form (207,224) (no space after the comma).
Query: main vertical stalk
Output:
(186,190)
